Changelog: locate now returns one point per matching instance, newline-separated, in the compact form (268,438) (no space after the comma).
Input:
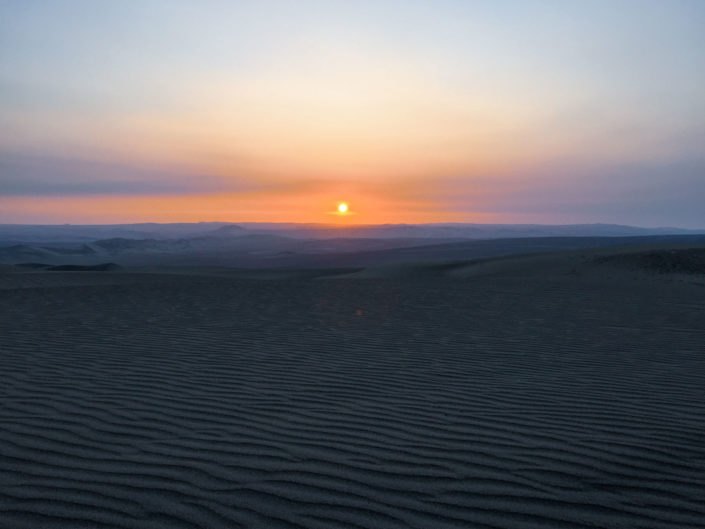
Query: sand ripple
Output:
(187,402)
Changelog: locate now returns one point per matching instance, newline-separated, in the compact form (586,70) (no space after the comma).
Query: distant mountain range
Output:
(68,233)
(466,231)
(298,245)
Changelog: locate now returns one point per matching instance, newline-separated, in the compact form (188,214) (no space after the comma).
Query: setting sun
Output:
(342,208)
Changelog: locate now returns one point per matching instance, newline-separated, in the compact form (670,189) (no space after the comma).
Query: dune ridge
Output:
(538,394)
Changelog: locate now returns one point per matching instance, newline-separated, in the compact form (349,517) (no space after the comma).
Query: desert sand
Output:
(562,390)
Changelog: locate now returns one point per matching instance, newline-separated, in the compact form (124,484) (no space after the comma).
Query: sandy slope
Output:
(270,251)
(536,392)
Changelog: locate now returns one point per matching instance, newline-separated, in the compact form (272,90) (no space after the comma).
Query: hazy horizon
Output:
(347,224)
(534,112)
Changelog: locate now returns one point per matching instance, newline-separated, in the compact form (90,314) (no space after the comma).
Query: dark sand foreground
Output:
(540,392)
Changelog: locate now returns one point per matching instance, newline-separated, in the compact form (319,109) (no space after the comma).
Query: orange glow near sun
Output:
(306,206)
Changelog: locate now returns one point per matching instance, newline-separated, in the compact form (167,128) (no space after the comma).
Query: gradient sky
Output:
(551,111)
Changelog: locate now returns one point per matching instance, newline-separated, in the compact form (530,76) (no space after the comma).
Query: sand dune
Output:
(639,259)
(541,391)
(273,251)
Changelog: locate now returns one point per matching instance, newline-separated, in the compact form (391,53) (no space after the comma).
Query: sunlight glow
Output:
(352,112)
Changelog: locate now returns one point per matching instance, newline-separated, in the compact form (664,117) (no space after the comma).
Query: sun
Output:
(342,208)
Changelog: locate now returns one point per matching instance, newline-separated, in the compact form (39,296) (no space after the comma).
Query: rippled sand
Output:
(539,394)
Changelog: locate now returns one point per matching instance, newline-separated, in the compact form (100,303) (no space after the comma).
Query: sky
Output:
(535,111)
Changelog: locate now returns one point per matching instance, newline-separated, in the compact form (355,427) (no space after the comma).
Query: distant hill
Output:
(66,234)
(302,245)
(269,250)
(465,231)
(78,233)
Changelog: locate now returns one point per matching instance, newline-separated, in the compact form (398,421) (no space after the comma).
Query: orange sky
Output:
(442,111)
(265,207)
